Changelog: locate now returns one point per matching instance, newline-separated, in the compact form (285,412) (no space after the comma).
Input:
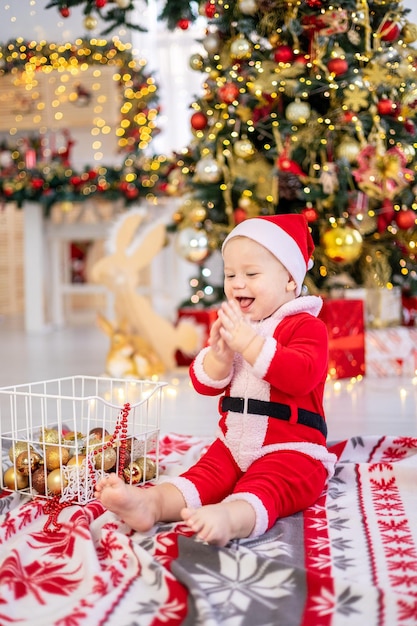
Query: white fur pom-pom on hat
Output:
(286,236)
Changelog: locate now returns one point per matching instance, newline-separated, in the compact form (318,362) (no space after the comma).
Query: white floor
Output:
(386,406)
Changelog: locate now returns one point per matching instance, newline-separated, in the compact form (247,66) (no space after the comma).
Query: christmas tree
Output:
(307,107)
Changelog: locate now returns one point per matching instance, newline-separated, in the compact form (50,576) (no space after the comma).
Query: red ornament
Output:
(198,120)
(210,9)
(64,11)
(314,4)
(75,181)
(284,54)
(385,216)
(239,215)
(284,164)
(390,31)
(349,116)
(228,93)
(303,59)
(338,66)
(311,214)
(37,183)
(131,192)
(101,3)
(183,24)
(410,127)
(385,106)
(405,219)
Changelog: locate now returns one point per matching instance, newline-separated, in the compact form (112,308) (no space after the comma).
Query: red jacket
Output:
(291,369)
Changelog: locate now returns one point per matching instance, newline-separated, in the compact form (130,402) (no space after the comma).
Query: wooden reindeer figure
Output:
(134,244)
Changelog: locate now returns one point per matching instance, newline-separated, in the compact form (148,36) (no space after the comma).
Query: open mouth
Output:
(245,303)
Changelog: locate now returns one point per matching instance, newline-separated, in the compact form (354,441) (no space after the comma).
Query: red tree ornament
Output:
(338,66)
(228,93)
(311,214)
(210,9)
(284,54)
(183,24)
(405,219)
(65,12)
(239,215)
(385,216)
(385,106)
(198,120)
(101,3)
(390,31)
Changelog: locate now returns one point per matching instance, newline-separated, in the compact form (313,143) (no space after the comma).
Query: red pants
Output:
(285,482)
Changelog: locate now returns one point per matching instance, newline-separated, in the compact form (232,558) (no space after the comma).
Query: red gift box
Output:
(346,328)
(203,319)
(409,310)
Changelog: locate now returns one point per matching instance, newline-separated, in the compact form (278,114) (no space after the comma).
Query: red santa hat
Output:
(287,237)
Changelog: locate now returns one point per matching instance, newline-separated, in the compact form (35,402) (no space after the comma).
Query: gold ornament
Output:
(348,149)
(193,245)
(240,48)
(208,170)
(90,22)
(409,33)
(355,98)
(49,435)
(248,7)
(17,447)
(244,148)
(298,112)
(106,459)
(55,456)
(77,459)
(342,243)
(196,62)
(27,462)
(12,479)
(56,482)
(211,43)
(133,473)
(148,467)
(197,215)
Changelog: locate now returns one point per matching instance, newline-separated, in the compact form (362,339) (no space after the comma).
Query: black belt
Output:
(274,409)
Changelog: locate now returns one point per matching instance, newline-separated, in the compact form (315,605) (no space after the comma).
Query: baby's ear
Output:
(291,284)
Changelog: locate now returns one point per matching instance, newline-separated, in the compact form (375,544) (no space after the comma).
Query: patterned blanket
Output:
(350,559)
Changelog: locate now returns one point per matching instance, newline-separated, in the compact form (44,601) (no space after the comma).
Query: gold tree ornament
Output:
(240,48)
(409,33)
(298,111)
(196,62)
(342,243)
(244,148)
(193,244)
(348,149)
(13,479)
(90,22)
(355,98)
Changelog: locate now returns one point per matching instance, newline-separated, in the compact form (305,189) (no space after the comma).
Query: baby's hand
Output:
(235,331)
(218,345)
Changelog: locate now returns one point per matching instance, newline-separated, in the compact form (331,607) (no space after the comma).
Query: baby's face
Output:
(255,278)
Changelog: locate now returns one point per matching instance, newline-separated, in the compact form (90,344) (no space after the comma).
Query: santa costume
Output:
(271,445)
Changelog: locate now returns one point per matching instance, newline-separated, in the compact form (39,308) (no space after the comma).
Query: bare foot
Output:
(137,507)
(220,523)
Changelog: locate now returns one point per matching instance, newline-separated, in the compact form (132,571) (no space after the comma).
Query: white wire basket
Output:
(59,437)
